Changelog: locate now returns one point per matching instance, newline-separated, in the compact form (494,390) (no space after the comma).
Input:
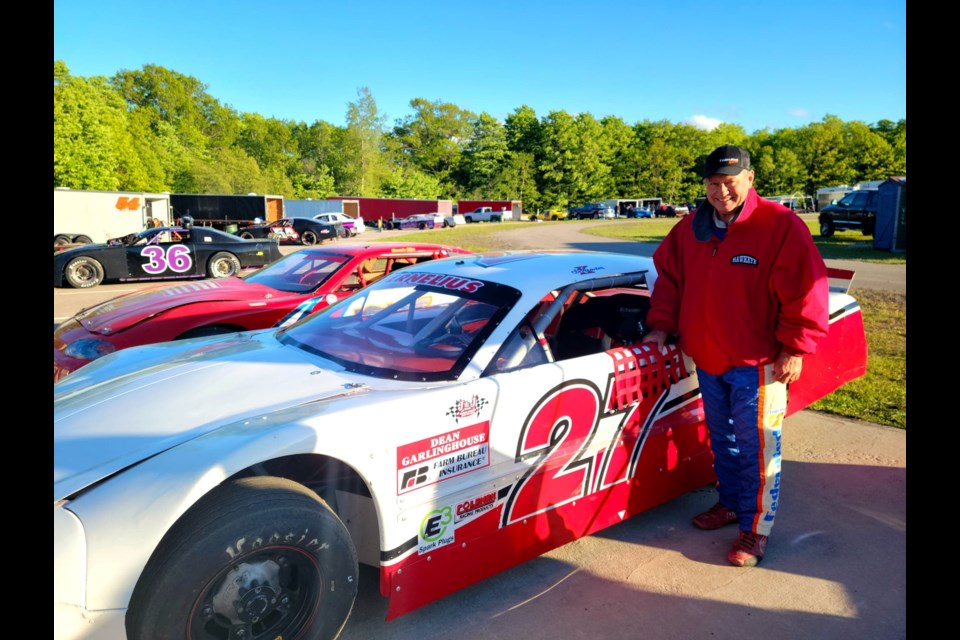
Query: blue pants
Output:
(744,410)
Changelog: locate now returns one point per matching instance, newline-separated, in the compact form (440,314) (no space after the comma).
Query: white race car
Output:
(450,421)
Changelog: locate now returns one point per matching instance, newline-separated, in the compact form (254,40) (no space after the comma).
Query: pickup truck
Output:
(483,214)
(855,211)
(591,211)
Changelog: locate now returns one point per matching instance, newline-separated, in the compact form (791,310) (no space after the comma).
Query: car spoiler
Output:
(840,279)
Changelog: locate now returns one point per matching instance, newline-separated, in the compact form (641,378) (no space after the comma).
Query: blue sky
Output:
(757,63)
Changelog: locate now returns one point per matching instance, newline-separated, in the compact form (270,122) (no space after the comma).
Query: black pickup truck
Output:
(855,211)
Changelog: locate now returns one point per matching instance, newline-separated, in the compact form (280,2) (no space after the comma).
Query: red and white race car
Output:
(294,286)
(449,421)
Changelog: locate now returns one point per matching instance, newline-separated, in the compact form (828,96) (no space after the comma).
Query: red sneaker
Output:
(715,517)
(748,550)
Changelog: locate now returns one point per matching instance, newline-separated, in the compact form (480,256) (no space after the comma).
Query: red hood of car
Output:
(124,311)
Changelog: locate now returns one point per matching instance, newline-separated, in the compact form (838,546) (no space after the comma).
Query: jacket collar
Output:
(703,218)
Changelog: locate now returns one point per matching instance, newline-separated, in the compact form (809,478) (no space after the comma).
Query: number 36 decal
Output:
(176,258)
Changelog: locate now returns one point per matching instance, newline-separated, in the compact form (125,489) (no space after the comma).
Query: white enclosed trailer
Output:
(96,216)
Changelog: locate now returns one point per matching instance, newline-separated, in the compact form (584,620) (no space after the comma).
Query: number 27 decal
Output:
(579,448)
(176,258)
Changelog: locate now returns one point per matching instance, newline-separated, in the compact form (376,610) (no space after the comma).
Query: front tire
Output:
(246,235)
(256,558)
(223,265)
(826,228)
(83,273)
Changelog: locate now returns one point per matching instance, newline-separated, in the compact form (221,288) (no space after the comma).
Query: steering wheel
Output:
(452,340)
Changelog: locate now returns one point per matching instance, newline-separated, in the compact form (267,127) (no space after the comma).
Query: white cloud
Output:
(703,122)
(798,112)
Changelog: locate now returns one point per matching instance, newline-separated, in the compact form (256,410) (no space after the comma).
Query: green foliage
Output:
(155,129)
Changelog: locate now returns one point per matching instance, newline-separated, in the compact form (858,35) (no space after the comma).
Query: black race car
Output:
(162,253)
(305,230)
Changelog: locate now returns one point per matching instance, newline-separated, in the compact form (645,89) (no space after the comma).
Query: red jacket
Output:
(739,301)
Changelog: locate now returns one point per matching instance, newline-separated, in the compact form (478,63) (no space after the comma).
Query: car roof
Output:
(538,272)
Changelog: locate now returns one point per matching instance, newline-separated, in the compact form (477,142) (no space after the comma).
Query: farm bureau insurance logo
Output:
(446,455)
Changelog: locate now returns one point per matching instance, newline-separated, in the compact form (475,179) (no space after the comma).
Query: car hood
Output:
(123,408)
(123,312)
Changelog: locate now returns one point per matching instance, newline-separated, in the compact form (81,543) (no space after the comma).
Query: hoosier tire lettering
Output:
(256,558)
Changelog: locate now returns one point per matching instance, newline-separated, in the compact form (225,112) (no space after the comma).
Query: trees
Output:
(432,139)
(484,157)
(155,129)
(93,147)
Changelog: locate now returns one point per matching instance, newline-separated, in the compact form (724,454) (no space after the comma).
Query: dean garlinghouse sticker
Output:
(444,456)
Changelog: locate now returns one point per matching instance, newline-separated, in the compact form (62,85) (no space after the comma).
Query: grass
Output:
(843,245)
(879,396)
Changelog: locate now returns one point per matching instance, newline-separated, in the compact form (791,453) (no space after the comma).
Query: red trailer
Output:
(371,209)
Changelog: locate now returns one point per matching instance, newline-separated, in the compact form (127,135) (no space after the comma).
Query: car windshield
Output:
(409,326)
(299,272)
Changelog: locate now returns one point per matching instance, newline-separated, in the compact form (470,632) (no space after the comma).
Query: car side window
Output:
(521,349)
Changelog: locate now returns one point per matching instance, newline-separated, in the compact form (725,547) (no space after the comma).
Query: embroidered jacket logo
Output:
(744,259)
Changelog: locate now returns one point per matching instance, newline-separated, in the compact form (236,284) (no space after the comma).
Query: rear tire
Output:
(246,235)
(83,272)
(309,238)
(223,265)
(256,558)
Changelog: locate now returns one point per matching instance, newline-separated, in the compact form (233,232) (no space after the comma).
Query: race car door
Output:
(167,254)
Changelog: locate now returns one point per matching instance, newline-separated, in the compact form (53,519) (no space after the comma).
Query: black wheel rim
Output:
(272,593)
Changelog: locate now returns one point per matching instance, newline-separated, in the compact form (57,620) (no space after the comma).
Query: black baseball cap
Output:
(728,160)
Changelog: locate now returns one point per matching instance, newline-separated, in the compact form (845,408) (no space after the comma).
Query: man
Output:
(745,289)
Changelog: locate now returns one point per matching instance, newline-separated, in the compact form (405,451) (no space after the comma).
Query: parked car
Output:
(422,221)
(592,211)
(298,230)
(453,220)
(637,212)
(161,253)
(857,211)
(294,286)
(280,230)
(549,214)
(354,226)
(448,422)
(485,214)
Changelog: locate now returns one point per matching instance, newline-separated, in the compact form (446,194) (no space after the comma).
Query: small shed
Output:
(890,232)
